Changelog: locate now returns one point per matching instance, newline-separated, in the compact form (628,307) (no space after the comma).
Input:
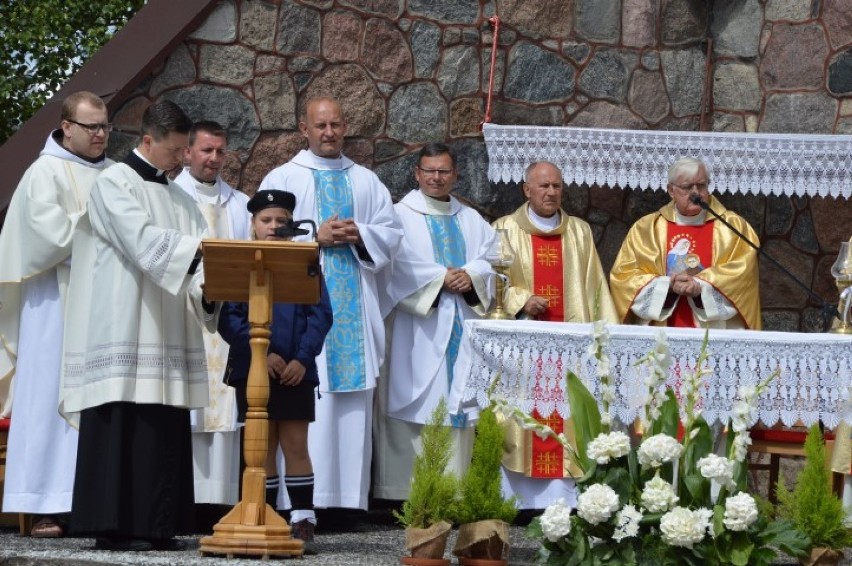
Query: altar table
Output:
(529,361)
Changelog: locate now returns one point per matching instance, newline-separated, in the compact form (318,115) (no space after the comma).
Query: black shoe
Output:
(304,531)
(123,544)
(168,544)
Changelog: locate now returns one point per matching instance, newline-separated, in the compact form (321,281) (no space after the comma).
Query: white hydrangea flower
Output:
(684,528)
(740,512)
(627,523)
(606,447)
(717,468)
(658,495)
(556,520)
(597,504)
(659,449)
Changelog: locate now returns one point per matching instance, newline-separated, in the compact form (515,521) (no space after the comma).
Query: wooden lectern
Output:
(247,271)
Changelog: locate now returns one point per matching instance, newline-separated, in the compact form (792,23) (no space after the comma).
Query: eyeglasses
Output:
(438,172)
(700,187)
(93,129)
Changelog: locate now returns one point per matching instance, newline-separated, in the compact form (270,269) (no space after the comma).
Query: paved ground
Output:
(344,539)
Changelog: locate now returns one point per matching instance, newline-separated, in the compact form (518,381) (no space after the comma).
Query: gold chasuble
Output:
(561,265)
(645,255)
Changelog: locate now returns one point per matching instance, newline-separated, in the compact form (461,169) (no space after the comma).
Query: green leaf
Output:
(584,413)
(741,549)
(697,490)
(669,416)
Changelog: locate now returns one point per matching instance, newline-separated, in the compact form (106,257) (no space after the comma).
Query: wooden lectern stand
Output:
(247,272)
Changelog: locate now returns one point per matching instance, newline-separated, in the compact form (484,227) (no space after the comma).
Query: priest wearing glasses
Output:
(681,267)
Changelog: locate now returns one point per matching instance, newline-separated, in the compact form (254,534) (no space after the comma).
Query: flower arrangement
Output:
(671,500)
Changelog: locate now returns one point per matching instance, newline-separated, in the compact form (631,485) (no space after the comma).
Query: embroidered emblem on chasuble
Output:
(448,247)
(545,458)
(548,276)
(690,250)
(344,344)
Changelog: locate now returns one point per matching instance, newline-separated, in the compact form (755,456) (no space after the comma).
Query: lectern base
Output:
(233,538)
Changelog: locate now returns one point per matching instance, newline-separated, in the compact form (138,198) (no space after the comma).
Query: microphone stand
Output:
(829,310)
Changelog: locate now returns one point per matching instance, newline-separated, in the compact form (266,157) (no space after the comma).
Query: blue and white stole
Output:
(449,249)
(344,344)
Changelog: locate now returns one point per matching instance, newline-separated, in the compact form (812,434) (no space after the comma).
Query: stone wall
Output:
(413,71)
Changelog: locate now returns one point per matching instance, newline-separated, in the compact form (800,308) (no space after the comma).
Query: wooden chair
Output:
(784,443)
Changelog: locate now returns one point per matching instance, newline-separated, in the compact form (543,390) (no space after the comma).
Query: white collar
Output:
(542,223)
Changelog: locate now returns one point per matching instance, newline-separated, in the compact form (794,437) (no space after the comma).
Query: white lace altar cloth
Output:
(779,164)
(529,361)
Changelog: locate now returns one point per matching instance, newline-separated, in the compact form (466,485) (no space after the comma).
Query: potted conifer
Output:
(483,513)
(813,507)
(433,498)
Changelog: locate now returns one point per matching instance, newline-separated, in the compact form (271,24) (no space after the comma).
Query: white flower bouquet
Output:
(671,500)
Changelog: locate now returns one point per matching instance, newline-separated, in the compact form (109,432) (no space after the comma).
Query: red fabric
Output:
(4,424)
(786,436)
(548,280)
(547,453)
(701,248)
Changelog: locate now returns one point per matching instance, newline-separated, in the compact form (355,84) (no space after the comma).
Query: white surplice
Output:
(422,325)
(215,435)
(35,244)
(135,312)
(340,441)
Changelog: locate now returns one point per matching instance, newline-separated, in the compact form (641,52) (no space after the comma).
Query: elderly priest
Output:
(681,267)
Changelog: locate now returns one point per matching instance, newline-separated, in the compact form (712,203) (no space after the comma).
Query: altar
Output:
(526,361)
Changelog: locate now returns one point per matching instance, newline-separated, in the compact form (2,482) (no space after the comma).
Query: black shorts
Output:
(286,402)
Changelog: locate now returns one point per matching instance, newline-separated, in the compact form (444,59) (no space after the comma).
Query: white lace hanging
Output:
(527,362)
(779,164)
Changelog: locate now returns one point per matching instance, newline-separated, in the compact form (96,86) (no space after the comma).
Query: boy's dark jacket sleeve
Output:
(297,331)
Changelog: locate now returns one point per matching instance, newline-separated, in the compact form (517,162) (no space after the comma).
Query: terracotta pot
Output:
(822,557)
(481,562)
(417,561)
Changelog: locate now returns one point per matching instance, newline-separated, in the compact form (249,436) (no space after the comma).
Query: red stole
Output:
(548,276)
(690,249)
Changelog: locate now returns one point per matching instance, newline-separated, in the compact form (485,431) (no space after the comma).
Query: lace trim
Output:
(780,164)
(156,257)
(529,364)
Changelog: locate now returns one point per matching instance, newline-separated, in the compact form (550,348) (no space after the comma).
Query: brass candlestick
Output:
(500,256)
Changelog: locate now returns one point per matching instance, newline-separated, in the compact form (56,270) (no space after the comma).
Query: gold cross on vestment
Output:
(547,463)
(554,421)
(550,292)
(547,256)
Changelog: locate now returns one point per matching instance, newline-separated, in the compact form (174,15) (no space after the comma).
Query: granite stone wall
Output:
(412,71)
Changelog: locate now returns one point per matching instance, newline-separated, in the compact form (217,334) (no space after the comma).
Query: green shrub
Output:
(812,506)
(434,491)
(481,496)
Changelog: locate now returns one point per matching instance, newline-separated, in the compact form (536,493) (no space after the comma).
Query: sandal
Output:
(47,527)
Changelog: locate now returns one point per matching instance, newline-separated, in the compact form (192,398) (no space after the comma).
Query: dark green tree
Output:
(43,42)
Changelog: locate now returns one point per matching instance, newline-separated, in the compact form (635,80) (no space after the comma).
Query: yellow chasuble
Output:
(584,297)
(733,271)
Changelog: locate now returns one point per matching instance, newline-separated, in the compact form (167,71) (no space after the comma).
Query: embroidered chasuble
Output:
(561,265)
(219,414)
(448,243)
(728,274)
(689,250)
(344,344)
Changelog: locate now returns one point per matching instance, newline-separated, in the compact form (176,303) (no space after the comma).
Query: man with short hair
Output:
(358,235)
(556,276)
(215,436)
(35,244)
(440,278)
(134,364)
(680,267)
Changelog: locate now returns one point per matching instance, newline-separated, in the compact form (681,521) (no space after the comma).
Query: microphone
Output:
(829,310)
(291,229)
